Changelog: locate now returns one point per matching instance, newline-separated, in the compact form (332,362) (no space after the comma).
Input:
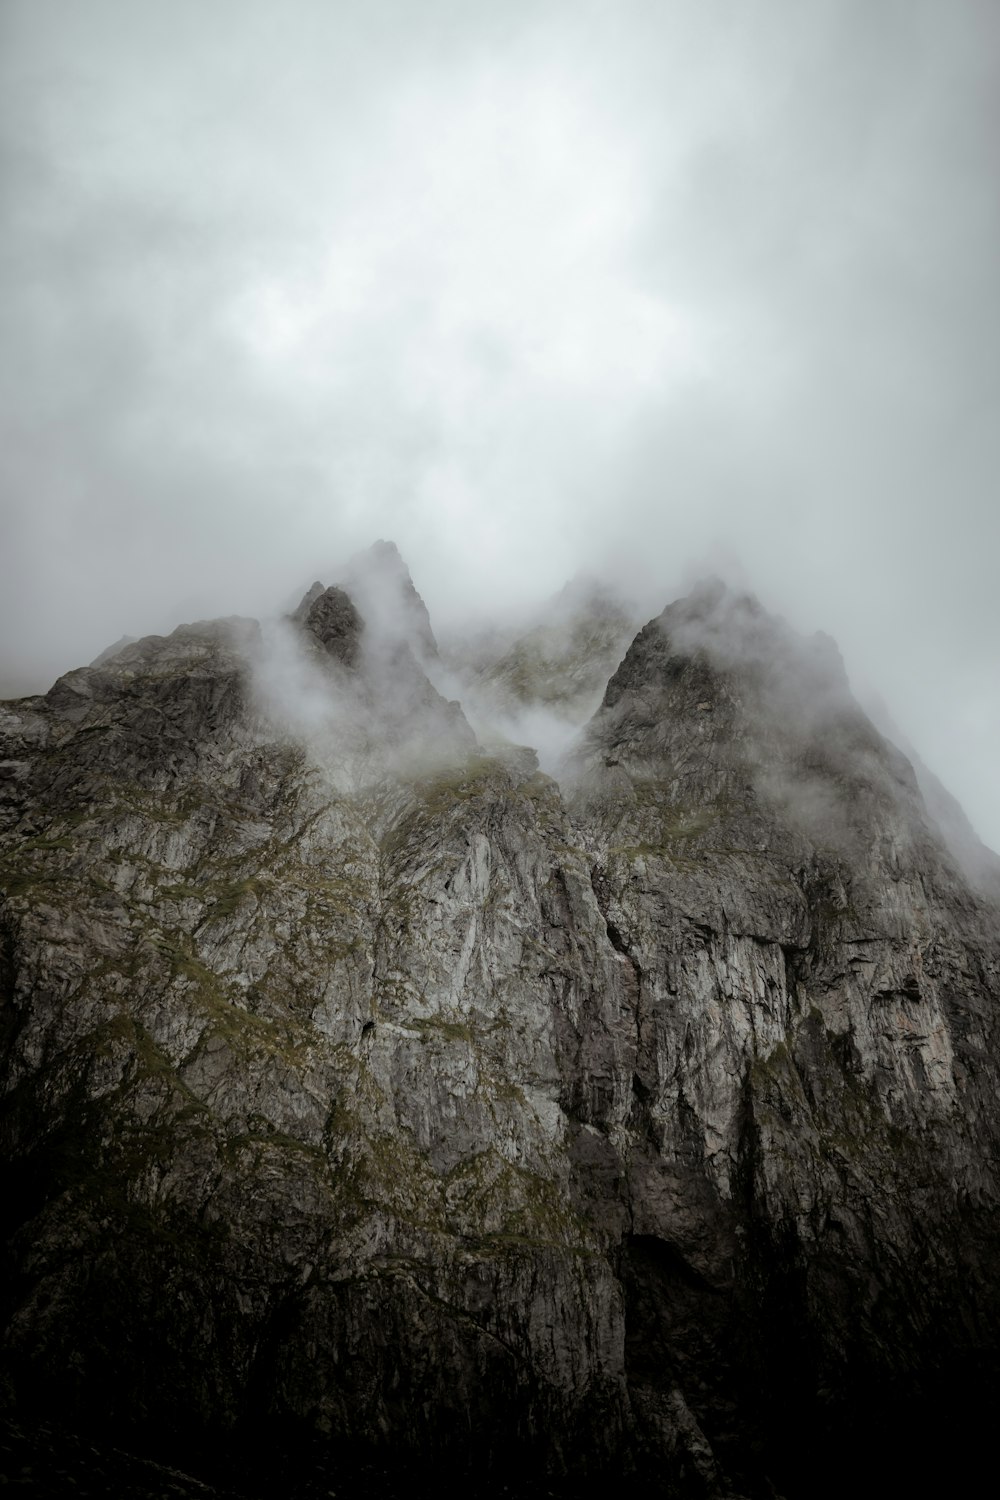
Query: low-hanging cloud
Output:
(528,288)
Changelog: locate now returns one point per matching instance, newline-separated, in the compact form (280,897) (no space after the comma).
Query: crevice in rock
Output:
(602,895)
(644,1077)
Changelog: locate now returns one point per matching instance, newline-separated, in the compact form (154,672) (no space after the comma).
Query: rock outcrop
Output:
(379,581)
(370,1096)
(559,665)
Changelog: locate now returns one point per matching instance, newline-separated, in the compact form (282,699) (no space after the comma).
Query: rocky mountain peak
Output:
(719,652)
(725,725)
(379,583)
(734,632)
(330,617)
(386,710)
(370,1093)
(546,678)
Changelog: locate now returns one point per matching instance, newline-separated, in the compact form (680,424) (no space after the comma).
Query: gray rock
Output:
(331,618)
(371,1088)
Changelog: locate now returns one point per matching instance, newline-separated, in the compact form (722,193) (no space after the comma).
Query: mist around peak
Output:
(353,672)
(349,686)
(719,704)
(979,864)
(379,582)
(357,664)
(539,681)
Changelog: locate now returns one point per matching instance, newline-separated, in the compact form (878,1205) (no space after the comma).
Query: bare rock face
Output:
(815,1026)
(330,617)
(372,1097)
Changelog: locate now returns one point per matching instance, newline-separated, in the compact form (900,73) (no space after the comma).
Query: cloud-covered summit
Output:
(535,289)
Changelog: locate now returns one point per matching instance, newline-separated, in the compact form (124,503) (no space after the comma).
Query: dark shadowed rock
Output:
(330,618)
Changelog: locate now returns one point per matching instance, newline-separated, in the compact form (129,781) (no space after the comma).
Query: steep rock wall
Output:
(372,1089)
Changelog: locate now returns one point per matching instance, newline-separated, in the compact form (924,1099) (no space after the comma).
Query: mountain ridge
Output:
(481,1118)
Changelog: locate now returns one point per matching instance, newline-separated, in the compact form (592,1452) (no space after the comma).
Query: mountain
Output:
(537,685)
(379,581)
(377,1105)
(561,663)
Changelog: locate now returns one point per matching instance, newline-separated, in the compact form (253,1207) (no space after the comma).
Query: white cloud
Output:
(528,287)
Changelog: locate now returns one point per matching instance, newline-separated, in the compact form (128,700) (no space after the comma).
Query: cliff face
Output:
(372,1091)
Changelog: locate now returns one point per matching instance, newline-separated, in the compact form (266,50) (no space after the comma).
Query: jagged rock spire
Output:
(331,618)
(379,582)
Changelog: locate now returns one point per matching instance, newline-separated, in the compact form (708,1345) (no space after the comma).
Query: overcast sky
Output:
(647,288)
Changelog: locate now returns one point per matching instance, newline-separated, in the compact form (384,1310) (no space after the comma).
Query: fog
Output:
(652,290)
